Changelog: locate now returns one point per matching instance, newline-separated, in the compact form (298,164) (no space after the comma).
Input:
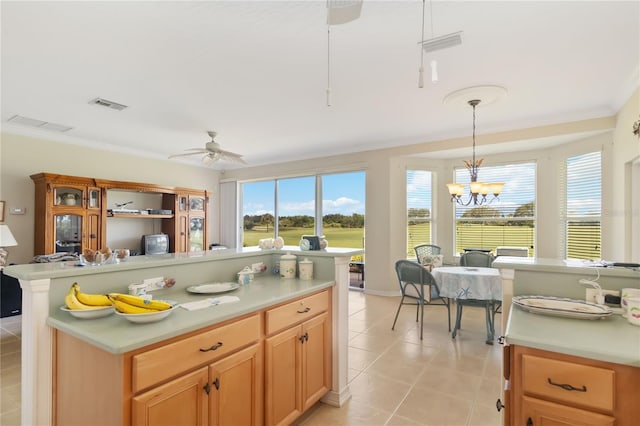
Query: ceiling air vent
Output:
(32,122)
(108,104)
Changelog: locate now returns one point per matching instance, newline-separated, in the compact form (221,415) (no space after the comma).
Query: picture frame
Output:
(2,205)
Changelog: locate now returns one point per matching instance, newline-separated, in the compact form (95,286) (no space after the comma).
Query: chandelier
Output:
(478,191)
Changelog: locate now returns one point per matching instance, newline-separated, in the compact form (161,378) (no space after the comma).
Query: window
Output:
(582,206)
(258,206)
(507,221)
(418,209)
(296,207)
(291,207)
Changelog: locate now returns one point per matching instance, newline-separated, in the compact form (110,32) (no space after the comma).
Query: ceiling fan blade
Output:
(184,155)
(231,156)
(203,150)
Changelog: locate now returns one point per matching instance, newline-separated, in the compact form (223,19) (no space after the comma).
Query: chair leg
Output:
(421,318)
(456,327)
(489,321)
(449,313)
(397,312)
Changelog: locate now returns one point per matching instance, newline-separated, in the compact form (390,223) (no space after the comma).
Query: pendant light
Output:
(478,191)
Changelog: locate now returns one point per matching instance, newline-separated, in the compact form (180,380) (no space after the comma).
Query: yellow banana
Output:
(90,299)
(156,305)
(72,302)
(126,308)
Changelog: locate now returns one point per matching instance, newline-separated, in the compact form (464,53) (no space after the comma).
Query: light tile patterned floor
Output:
(395,379)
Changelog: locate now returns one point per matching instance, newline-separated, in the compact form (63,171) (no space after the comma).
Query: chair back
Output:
(476,258)
(412,278)
(425,250)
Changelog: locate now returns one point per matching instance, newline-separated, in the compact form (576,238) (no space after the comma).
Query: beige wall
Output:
(385,184)
(22,156)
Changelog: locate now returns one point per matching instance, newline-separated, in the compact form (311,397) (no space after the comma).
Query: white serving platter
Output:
(212,288)
(98,312)
(562,307)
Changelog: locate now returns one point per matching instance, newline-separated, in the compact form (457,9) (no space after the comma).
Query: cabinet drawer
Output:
(297,311)
(158,364)
(583,385)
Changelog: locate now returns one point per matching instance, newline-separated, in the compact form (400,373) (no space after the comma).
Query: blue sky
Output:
(342,193)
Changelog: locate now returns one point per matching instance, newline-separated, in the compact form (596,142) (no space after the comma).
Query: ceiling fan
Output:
(212,152)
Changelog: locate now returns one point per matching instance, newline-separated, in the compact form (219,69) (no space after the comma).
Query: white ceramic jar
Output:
(288,266)
(305,269)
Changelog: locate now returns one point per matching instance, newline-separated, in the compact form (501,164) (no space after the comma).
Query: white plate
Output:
(213,288)
(149,317)
(563,307)
(98,312)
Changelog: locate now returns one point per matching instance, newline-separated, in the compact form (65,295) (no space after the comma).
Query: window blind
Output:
(419,209)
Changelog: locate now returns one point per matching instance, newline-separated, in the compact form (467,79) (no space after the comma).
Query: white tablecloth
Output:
(462,282)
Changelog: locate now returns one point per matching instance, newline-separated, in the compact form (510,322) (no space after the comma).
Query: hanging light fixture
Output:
(478,191)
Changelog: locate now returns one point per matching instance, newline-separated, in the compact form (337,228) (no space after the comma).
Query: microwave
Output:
(155,244)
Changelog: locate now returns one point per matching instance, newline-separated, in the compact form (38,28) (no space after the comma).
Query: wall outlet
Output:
(154,283)
(592,292)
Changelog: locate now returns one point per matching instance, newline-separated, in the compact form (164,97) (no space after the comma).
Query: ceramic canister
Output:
(288,266)
(305,269)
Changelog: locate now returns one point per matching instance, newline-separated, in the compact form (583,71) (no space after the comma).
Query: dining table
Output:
(471,286)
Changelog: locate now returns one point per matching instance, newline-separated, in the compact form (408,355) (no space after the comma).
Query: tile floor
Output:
(395,379)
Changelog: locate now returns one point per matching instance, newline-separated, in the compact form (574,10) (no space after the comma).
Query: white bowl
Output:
(99,312)
(148,317)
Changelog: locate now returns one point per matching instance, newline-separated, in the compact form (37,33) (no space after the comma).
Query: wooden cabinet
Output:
(548,388)
(298,358)
(68,212)
(71,213)
(228,392)
(189,232)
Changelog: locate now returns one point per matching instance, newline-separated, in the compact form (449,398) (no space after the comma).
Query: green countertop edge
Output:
(612,339)
(117,335)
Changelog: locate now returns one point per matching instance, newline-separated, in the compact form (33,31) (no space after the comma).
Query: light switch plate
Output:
(18,210)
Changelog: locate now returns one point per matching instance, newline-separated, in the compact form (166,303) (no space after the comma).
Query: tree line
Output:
(418,215)
(303,221)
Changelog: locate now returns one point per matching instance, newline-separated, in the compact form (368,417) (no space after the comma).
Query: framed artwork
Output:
(2,204)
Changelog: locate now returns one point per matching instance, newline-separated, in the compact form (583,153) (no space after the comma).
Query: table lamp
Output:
(6,240)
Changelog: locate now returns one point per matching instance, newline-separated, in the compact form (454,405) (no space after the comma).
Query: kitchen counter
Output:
(44,287)
(115,334)
(610,339)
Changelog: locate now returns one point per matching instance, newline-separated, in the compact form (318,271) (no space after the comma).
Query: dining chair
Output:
(426,249)
(481,260)
(418,285)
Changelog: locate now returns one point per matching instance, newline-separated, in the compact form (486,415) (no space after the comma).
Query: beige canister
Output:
(305,269)
(288,266)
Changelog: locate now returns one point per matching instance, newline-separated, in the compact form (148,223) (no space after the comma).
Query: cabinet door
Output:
(282,377)
(68,233)
(93,231)
(236,389)
(182,236)
(196,234)
(536,412)
(316,356)
(182,401)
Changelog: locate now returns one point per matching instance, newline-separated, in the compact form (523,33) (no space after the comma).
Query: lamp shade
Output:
(6,237)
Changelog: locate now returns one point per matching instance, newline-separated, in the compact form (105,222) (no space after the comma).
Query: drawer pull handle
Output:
(567,386)
(305,310)
(212,348)
(304,337)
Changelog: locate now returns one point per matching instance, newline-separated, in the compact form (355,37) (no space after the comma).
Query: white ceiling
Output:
(256,72)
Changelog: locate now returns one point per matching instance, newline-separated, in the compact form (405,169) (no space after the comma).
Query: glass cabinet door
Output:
(68,233)
(196,204)
(66,196)
(93,198)
(196,234)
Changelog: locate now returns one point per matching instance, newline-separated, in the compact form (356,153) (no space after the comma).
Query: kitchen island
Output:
(567,370)
(45,285)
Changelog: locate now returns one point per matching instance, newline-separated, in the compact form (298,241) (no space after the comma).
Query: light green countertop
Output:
(117,335)
(567,266)
(612,339)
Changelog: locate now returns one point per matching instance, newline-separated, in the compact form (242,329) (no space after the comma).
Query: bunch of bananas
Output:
(129,304)
(78,300)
